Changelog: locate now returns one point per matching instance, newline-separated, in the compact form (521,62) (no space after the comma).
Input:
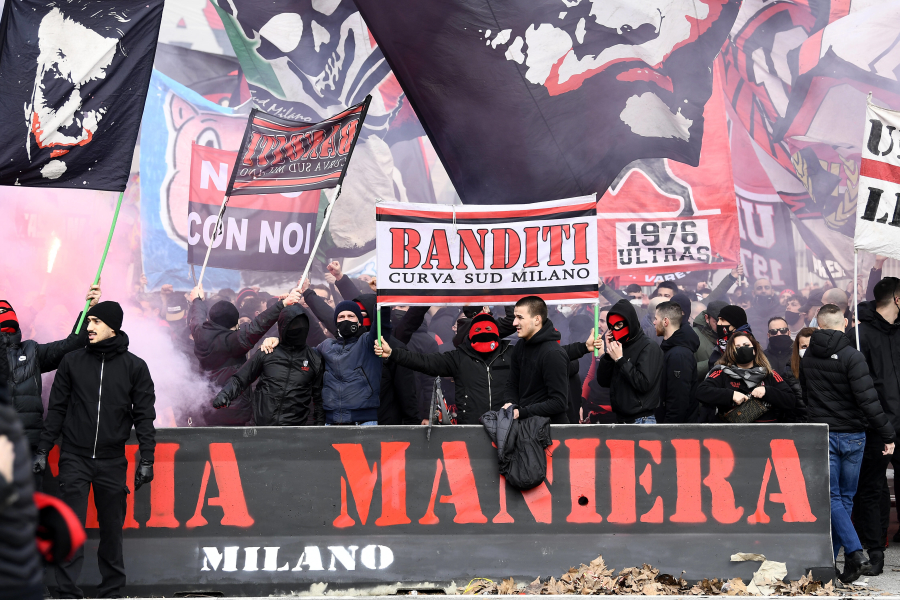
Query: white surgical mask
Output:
(802,352)
(564,310)
(636,302)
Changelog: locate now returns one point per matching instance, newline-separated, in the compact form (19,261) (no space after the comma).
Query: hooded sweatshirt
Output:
(634,379)
(880,345)
(678,403)
(538,380)
(289,379)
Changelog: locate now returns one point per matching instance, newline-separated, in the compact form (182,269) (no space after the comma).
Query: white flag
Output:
(878,206)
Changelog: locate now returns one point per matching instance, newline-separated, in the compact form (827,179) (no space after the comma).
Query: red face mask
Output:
(484,333)
(618,334)
(9,322)
(366,322)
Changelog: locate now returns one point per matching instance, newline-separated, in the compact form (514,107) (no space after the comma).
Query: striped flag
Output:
(878,207)
(281,156)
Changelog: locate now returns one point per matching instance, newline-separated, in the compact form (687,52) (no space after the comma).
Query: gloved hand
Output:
(143,474)
(220,402)
(40,462)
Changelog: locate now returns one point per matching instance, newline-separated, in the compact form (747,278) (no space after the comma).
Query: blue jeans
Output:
(651,420)
(845,452)
(358,423)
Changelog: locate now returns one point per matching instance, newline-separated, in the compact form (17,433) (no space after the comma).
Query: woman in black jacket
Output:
(792,372)
(743,373)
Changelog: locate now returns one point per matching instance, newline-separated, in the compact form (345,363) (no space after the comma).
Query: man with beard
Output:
(780,345)
(677,403)
(100,393)
(764,305)
(28,360)
(290,377)
(705,325)
(630,368)
(221,347)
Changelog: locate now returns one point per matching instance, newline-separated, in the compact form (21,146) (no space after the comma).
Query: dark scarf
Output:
(752,376)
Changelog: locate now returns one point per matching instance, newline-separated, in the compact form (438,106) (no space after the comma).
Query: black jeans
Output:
(76,474)
(870,515)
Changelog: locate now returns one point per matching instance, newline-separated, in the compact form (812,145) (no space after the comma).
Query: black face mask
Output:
(722,331)
(296,333)
(348,329)
(744,355)
(780,343)
(791,316)
(397,316)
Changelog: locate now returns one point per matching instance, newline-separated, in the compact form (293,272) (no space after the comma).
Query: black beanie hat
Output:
(224,313)
(735,315)
(346,305)
(109,312)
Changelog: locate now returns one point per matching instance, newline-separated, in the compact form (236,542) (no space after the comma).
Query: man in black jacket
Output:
(28,360)
(538,384)
(879,338)
(222,348)
(631,367)
(290,377)
(839,392)
(677,403)
(99,393)
(781,346)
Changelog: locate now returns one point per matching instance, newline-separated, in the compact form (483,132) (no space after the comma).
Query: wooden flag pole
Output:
(112,228)
(315,247)
(212,242)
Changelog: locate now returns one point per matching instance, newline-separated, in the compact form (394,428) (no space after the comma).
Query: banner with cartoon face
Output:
(80,70)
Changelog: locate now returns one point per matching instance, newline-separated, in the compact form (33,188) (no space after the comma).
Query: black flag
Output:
(75,75)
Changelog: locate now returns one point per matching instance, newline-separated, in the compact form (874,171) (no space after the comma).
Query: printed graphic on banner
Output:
(439,255)
(878,211)
(74,78)
(665,217)
(767,241)
(278,155)
(261,233)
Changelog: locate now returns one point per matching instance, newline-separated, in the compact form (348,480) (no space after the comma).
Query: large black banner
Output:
(533,100)
(75,77)
(255,511)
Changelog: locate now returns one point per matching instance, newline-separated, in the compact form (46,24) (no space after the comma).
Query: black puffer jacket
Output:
(399,401)
(678,402)
(633,380)
(221,352)
(538,381)
(99,393)
(27,360)
(290,380)
(838,389)
(880,345)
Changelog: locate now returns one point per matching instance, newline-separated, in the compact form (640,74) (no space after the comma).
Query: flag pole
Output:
(596,328)
(112,228)
(212,242)
(378,316)
(315,247)
(856,295)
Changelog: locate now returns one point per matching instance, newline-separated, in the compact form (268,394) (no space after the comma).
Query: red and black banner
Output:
(279,156)
(270,510)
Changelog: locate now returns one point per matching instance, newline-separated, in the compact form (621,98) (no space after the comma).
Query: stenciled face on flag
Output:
(77,72)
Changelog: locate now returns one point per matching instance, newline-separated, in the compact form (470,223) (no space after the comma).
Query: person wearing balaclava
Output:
(100,393)
(290,378)
(221,347)
(631,367)
(27,361)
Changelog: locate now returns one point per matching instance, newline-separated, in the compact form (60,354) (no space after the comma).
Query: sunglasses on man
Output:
(779,331)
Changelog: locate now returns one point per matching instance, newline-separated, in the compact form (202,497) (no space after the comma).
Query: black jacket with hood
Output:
(880,345)
(538,381)
(290,380)
(221,352)
(26,361)
(838,389)
(634,379)
(99,393)
(677,400)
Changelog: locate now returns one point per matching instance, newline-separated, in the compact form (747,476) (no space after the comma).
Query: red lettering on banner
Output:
(403,245)
(53,461)
(463,492)
(655,514)
(531,247)
(277,150)
(538,499)
(162,488)
(347,135)
(622,481)
(265,145)
(688,503)
(469,244)
(438,249)
(582,477)
(130,521)
(327,149)
(362,482)
(556,233)
(581,253)
(252,149)
(791,483)
(317,136)
(291,149)
(505,238)
(393,484)
(305,145)
(223,463)
(721,465)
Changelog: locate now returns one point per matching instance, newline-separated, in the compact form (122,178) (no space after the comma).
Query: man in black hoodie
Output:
(290,377)
(631,367)
(99,394)
(538,384)
(838,391)
(879,338)
(677,403)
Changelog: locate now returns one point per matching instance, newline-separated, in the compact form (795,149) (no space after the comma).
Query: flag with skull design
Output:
(80,69)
